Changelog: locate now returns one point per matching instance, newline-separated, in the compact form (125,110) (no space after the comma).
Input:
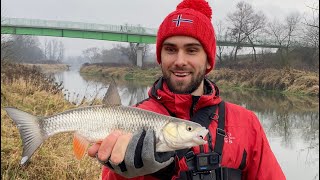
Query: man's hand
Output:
(112,148)
(131,155)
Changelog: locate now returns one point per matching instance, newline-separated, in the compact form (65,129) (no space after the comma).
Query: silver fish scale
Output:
(96,122)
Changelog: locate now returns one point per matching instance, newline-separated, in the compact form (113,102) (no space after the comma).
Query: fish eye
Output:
(189,128)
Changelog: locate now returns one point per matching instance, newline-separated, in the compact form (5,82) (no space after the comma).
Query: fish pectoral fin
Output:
(80,145)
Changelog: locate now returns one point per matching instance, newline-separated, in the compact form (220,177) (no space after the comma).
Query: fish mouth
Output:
(199,138)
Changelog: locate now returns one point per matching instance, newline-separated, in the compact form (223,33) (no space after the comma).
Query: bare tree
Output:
(92,54)
(311,28)
(284,33)
(278,31)
(26,49)
(291,25)
(145,51)
(310,37)
(6,43)
(6,49)
(53,51)
(46,49)
(131,52)
(221,35)
(112,55)
(252,29)
(61,52)
(244,22)
(314,20)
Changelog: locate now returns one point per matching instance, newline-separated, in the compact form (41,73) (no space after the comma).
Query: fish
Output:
(91,124)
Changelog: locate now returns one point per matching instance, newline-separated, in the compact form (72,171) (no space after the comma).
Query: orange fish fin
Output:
(80,145)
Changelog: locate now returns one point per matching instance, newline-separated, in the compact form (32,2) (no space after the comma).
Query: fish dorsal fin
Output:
(112,96)
(80,145)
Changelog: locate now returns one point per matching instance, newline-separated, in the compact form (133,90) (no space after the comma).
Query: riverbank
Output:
(50,68)
(31,91)
(285,80)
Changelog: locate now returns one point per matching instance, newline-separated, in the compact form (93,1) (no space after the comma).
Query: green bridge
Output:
(121,33)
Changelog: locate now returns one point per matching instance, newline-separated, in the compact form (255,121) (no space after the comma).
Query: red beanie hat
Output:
(191,18)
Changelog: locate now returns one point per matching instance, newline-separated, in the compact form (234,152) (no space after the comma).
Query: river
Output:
(291,123)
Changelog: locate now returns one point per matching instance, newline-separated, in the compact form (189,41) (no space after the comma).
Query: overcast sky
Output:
(148,13)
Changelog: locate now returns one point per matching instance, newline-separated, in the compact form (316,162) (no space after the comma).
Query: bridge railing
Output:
(78,26)
(125,29)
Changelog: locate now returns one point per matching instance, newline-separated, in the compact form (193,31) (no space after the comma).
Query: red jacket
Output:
(243,129)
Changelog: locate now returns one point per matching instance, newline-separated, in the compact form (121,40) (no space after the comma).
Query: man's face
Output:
(184,64)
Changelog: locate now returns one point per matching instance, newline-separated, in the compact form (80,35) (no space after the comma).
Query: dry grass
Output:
(55,159)
(285,80)
(128,73)
(267,101)
(49,68)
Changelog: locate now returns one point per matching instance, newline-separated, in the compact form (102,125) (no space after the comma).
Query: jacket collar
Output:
(180,104)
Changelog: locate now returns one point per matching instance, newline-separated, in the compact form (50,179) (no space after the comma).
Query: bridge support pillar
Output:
(139,54)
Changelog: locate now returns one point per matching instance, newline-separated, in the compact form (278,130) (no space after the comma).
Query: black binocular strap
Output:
(220,132)
(204,117)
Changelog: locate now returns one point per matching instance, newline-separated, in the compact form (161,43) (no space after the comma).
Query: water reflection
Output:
(291,123)
(77,87)
(131,92)
(280,113)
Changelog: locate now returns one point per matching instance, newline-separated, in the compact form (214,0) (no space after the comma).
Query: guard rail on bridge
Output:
(122,33)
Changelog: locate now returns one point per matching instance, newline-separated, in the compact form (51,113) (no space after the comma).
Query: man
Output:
(237,147)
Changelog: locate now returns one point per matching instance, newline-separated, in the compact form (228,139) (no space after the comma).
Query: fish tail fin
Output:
(30,132)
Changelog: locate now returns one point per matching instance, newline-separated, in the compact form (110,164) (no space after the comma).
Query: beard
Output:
(178,87)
